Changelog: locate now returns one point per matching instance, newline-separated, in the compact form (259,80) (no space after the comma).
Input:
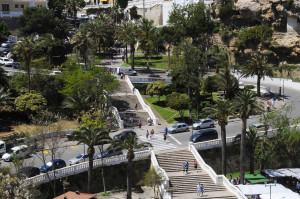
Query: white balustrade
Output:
(142,102)
(218,179)
(115,111)
(78,168)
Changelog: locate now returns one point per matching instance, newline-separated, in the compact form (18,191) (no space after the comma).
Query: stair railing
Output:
(142,102)
(217,179)
(160,171)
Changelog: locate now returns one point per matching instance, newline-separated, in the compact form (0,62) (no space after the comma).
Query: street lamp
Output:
(271,185)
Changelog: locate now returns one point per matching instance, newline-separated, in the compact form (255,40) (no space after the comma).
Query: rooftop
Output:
(74,195)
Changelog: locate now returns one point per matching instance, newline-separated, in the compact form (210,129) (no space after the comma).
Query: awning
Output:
(287,172)
(256,178)
(257,181)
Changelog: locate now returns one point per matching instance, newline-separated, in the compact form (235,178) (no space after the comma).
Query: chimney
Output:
(77,192)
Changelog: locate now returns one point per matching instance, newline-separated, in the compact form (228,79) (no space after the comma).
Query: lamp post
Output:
(271,185)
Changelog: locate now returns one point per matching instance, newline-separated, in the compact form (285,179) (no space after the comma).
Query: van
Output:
(16,152)
(126,71)
(204,135)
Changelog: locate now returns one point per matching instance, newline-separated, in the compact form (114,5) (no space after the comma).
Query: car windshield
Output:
(79,156)
(49,164)
(6,59)
(175,126)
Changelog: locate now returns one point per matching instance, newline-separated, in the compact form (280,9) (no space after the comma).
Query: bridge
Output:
(148,80)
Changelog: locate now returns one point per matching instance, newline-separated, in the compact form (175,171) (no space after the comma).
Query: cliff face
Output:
(269,12)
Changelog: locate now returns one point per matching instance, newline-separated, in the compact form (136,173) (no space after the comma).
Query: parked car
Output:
(21,151)
(203,123)
(179,127)
(55,72)
(52,165)
(28,172)
(109,153)
(5,51)
(17,65)
(153,75)
(123,135)
(5,61)
(79,158)
(126,71)
(257,127)
(204,135)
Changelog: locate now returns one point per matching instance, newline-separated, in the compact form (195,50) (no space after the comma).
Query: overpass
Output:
(148,80)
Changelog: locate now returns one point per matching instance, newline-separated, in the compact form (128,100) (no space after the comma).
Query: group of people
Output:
(234,181)
(269,104)
(151,134)
(185,166)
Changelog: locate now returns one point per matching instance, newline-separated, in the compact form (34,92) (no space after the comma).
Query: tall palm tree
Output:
(72,6)
(4,78)
(147,32)
(25,50)
(245,103)
(253,139)
(77,102)
(90,136)
(129,143)
(82,44)
(258,66)
(48,42)
(221,110)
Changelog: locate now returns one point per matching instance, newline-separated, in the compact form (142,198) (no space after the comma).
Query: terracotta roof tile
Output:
(73,195)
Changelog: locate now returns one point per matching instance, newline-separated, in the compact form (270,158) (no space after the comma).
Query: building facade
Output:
(14,8)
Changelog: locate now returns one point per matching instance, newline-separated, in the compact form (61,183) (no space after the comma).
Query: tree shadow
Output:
(161,103)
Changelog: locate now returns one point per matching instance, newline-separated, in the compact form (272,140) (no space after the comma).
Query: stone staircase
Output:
(186,184)
(124,100)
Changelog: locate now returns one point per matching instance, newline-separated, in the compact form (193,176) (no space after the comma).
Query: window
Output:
(39,6)
(23,6)
(5,7)
(16,6)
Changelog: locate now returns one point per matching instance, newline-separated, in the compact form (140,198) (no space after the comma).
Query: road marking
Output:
(158,143)
(174,139)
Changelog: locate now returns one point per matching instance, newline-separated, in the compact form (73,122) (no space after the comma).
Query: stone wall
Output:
(154,13)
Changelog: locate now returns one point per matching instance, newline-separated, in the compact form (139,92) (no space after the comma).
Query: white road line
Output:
(174,139)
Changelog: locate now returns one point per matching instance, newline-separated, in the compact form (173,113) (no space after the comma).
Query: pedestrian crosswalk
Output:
(158,142)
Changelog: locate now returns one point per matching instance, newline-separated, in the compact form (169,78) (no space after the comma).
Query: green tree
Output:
(258,66)
(30,102)
(134,14)
(178,102)
(122,3)
(225,9)
(72,7)
(90,136)
(25,50)
(5,97)
(3,31)
(48,42)
(209,85)
(158,88)
(147,31)
(244,103)
(253,140)
(83,45)
(122,35)
(152,179)
(4,79)
(229,85)
(129,143)
(222,109)
(57,6)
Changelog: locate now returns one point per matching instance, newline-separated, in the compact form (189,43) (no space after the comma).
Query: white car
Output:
(5,61)
(16,152)
(79,158)
(257,127)
(203,123)
(55,72)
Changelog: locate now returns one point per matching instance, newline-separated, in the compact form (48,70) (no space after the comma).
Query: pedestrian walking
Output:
(140,124)
(195,165)
(187,167)
(298,187)
(135,107)
(268,106)
(198,189)
(124,76)
(166,130)
(152,134)
(111,62)
(147,134)
(133,89)
(131,117)
(165,137)
(202,189)
(183,167)
(121,75)
(273,102)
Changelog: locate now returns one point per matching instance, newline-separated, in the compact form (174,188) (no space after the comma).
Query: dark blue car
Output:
(56,164)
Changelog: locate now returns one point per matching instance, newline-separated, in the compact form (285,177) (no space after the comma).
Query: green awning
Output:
(256,181)
(256,178)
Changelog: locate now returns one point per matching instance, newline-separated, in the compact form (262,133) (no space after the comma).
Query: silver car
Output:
(79,158)
(179,127)
(203,123)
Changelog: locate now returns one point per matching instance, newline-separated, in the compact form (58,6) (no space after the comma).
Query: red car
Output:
(153,75)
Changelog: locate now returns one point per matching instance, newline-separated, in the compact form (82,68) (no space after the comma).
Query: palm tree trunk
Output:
(90,171)
(129,180)
(126,54)
(251,157)
(28,74)
(223,137)
(169,56)
(258,85)
(242,150)
(132,58)
(103,179)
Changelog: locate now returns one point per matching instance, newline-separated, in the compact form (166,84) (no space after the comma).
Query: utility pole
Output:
(144,9)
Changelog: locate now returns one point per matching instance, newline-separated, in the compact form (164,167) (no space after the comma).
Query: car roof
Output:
(206,130)
(19,147)
(57,160)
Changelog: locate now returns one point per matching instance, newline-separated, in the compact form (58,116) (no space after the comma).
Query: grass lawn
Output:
(237,174)
(170,115)
(160,62)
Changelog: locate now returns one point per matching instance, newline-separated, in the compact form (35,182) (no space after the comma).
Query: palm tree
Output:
(147,31)
(82,44)
(252,141)
(245,103)
(4,78)
(26,50)
(221,110)
(258,66)
(48,42)
(4,97)
(72,6)
(90,136)
(77,102)
(129,143)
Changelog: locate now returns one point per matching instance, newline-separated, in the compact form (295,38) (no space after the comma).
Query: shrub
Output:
(30,102)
